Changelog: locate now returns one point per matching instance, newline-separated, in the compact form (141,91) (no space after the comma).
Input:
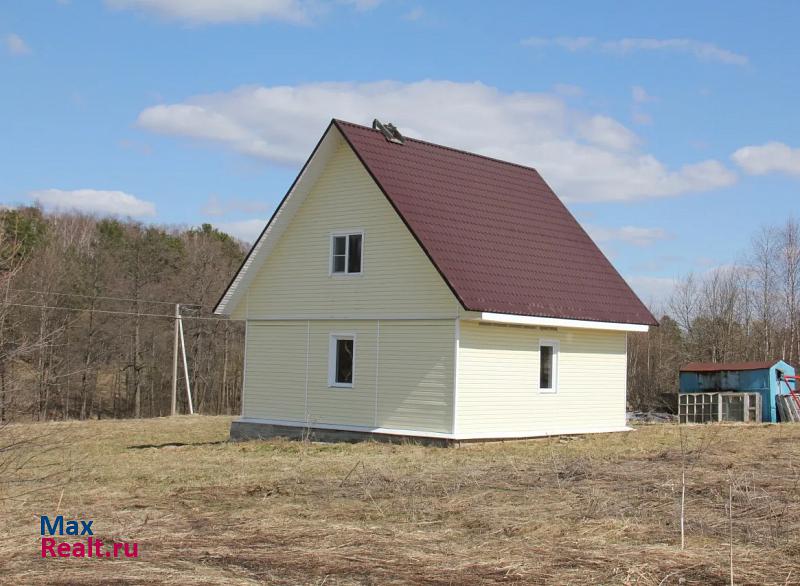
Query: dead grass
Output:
(584,510)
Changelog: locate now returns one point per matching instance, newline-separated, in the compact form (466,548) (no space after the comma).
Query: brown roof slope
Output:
(497,233)
(722,366)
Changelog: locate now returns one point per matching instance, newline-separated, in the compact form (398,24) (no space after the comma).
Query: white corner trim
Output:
(377,367)
(456,345)
(244,370)
(557,322)
(466,436)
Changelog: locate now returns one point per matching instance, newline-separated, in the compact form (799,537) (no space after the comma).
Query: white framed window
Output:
(347,253)
(548,366)
(342,360)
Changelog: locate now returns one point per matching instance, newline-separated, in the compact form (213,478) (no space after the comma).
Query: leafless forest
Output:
(86,327)
(749,310)
(85,320)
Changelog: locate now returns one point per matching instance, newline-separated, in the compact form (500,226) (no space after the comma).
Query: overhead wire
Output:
(115,312)
(81,295)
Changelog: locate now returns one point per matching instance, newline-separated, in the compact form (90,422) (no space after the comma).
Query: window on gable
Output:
(548,366)
(342,360)
(346,254)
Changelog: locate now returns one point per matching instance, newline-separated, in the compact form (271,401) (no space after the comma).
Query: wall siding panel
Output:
(353,406)
(415,389)
(275,376)
(403,374)
(498,376)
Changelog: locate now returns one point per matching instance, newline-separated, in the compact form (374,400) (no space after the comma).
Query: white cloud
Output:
(640,95)
(653,291)
(199,12)
(772,157)
(607,132)
(584,157)
(701,50)
(94,201)
(218,12)
(16,45)
(246,230)
(568,43)
(634,235)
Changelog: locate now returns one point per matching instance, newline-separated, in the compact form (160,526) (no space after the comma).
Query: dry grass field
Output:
(582,510)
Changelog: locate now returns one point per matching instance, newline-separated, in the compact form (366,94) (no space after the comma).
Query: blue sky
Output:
(671,130)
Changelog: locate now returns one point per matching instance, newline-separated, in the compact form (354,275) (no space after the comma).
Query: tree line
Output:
(86,327)
(747,311)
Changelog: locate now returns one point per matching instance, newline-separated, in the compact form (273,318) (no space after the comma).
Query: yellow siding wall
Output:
(404,368)
(415,389)
(352,406)
(498,380)
(275,360)
(398,279)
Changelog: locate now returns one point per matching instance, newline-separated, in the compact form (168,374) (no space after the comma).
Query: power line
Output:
(100,297)
(112,312)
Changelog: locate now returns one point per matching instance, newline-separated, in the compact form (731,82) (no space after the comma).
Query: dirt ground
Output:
(603,509)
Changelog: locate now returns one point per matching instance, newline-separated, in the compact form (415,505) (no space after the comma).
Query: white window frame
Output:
(355,231)
(555,345)
(334,337)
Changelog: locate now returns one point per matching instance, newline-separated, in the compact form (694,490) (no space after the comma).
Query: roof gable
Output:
(498,235)
(496,232)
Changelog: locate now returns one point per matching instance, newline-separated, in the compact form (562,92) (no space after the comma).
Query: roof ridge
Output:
(445,147)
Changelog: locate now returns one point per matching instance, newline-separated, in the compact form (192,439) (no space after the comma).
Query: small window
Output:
(548,366)
(342,360)
(346,254)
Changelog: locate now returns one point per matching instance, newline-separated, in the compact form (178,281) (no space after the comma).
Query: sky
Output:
(670,130)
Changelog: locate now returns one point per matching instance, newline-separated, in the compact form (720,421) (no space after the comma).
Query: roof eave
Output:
(556,322)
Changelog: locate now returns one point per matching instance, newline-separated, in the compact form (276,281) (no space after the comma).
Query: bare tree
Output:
(789,259)
(764,250)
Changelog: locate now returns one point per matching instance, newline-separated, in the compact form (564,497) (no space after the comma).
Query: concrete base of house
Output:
(250,429)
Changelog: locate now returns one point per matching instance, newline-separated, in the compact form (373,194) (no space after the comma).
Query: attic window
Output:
(346,253)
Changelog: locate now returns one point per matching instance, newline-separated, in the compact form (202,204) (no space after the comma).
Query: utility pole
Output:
(185,368)
(175,362)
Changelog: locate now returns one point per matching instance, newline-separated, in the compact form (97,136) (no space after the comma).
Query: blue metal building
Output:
(761,377)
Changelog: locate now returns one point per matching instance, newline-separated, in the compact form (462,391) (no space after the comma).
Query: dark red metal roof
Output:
(723,366)
(499,236)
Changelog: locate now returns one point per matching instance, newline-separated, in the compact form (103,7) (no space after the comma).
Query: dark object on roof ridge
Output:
(724,366)
(339,123)
(501,239)
(389,131)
